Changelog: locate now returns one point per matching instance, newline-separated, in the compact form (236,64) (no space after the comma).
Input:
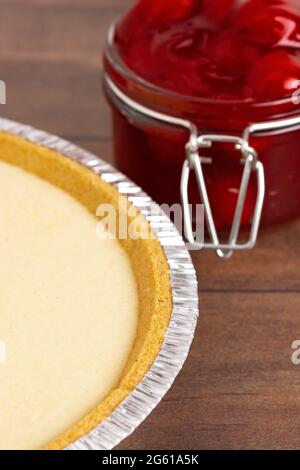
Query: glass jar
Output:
(151,149)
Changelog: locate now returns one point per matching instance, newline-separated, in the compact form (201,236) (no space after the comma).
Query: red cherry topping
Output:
(229,49)
(219,10)
(269,23)
(275,75)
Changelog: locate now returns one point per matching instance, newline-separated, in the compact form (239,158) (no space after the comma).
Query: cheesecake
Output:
(82,315)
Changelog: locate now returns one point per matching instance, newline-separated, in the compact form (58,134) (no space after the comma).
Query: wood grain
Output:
(239,388)
(272,266)
(70,4)
(52,67)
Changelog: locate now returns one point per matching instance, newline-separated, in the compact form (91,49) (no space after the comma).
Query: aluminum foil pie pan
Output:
(149,392)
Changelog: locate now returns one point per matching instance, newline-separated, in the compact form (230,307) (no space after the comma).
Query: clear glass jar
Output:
(152,152)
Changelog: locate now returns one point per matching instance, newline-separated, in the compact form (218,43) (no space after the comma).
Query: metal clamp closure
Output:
(194,162)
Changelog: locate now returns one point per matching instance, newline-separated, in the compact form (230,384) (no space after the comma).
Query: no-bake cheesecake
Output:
(82,317)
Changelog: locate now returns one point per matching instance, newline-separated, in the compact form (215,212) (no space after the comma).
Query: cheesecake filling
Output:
(68,311)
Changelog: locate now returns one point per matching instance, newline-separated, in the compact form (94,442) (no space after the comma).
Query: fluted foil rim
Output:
(180,333)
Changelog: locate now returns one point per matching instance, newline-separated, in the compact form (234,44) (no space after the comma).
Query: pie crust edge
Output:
(147,259)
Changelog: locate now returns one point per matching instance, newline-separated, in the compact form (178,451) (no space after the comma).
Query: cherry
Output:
(268,23)
(275,75)
(230,54)
(219,10)
(255,29)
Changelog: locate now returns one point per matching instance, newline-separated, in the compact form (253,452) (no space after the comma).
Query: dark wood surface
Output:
(239,388)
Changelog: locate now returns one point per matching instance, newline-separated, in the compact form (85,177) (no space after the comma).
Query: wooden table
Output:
(239,388)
